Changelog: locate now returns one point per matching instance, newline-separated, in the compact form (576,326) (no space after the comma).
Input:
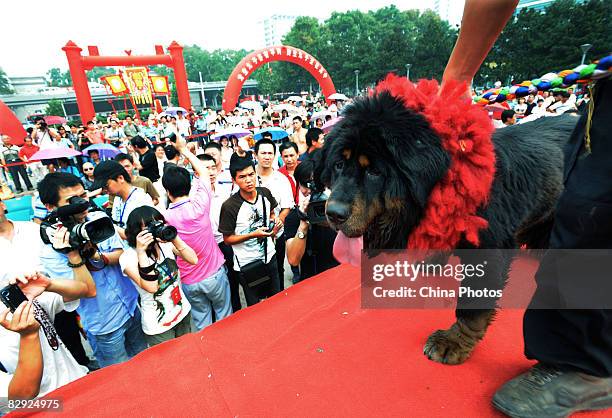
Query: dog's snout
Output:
(337,212)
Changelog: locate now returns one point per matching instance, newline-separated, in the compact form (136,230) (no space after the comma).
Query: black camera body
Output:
(162,231)
(94,231)
(316,207)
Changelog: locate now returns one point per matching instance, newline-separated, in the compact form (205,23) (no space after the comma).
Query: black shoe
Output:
(547,392)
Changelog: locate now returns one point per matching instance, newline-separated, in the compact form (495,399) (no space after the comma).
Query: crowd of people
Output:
(201,228)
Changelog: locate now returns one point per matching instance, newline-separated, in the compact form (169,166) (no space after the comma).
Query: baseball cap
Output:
(106,170)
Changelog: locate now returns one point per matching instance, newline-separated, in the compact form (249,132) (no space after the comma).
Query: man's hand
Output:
(303,205)
(180,144)
(32,285)
(262,232)
(22,321)
(61,238)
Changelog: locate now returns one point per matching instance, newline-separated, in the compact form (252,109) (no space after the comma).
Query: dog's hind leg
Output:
(474,314)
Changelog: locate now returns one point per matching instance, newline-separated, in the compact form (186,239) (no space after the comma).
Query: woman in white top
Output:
(521,107)
(150,262)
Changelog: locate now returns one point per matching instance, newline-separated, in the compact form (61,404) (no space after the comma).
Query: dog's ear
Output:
(423,164)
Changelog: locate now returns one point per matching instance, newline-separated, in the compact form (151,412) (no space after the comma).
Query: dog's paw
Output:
(448,347)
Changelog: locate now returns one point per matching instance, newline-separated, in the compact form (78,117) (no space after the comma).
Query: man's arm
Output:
(25,383)
(482,22)
(198,166)
(296,247)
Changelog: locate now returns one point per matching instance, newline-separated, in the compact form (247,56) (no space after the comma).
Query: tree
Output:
(5,86)
(57,78)
(97,72)
(534,42)
(54,108)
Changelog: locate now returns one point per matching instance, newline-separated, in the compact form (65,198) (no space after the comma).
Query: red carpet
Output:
(309,351)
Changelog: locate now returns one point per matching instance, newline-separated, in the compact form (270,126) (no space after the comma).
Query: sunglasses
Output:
(88,169)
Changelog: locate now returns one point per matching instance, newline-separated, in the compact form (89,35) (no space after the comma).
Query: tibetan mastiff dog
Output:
(381,162)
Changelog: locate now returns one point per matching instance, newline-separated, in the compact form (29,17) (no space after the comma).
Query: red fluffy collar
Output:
(465,131)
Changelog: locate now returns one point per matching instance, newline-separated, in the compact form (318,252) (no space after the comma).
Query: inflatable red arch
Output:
(256,59)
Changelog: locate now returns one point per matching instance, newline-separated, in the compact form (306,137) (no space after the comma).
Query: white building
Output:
(275,27)
(27,85)
(449,10)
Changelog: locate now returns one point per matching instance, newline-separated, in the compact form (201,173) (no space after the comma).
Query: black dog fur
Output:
(382,161)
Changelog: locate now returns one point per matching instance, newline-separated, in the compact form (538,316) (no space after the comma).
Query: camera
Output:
(315,213)
(94,231)
(161,231)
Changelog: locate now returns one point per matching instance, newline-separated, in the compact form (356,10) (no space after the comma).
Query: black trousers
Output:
(232,275)
(19,170)
(280,245)
(573,339)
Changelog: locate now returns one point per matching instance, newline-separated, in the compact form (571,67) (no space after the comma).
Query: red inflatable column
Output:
(79,81)
(180,75)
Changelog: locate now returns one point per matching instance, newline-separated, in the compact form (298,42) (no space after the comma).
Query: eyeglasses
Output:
(88,169)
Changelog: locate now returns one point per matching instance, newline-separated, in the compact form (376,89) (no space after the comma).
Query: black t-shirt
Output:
(150,169)
(318,255)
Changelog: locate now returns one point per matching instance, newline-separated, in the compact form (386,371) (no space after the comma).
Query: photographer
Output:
(150,262)
(248,224)
(34,355)
(309,245)
(111,319)
(44,136)
(20,248)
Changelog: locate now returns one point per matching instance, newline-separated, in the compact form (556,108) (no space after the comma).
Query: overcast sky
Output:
(34,31)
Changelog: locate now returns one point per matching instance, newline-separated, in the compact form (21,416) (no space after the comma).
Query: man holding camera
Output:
(112,178)
(310,241)
(111,319)
(248,224)
(279,186)
(24,371)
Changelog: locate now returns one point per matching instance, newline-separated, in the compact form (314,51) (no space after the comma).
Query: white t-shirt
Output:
(22,254)
(161,310)
(136,199)
(183,127)
(59,367)
(240,217)
(280,187)
(220,195)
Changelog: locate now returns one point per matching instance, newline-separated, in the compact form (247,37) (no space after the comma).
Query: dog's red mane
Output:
(465,131)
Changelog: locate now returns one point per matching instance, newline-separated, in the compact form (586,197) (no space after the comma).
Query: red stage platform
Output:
(310,351)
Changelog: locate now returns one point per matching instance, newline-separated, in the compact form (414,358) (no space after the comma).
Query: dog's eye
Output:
(339,165)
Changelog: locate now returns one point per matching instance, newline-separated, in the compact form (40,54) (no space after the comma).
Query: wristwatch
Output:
(300,235)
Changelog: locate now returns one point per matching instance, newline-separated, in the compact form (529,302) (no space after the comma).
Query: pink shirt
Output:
(192,220)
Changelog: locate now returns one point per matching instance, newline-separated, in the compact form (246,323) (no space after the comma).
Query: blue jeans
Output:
(208,294)
(120,345)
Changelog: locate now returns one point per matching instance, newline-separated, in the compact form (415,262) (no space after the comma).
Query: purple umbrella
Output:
(237,132)
(51,153)
(330,124)
(105,150)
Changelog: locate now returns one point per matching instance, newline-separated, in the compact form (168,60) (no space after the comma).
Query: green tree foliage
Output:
(216,65)
(534,43)
(375,43)
(59,78)
(54,108)
(5,87)
(97,72)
